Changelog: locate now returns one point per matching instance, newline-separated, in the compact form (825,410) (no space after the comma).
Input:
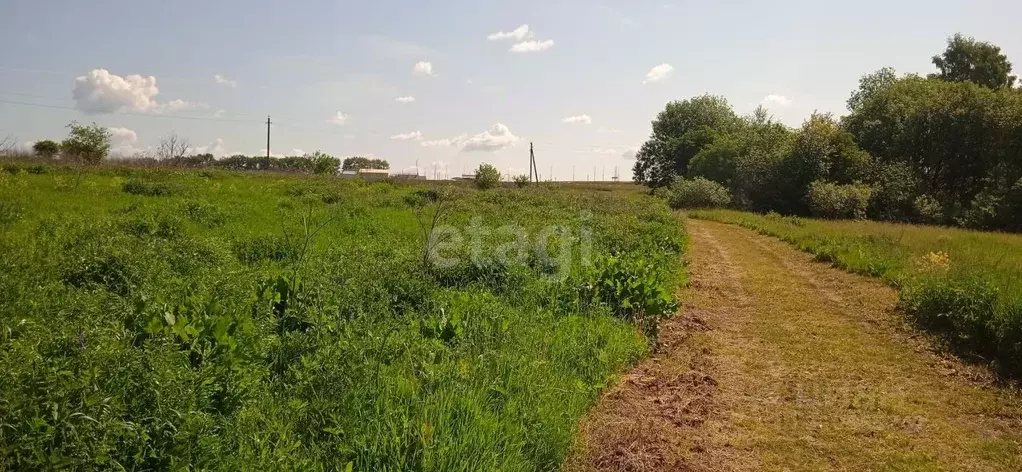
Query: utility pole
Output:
(267,140)
(572,173)
(550,177)
(533,170)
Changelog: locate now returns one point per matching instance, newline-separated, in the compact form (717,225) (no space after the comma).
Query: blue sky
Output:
(303,62)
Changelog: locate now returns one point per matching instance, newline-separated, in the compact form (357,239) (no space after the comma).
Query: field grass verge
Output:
(964,285)
(167,320)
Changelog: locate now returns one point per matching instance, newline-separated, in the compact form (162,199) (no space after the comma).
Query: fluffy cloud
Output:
(779,100)
(444,142)
(413,136)
(224,81)
(630,153)
(516,34)
(580,119)
(532,46)
(658,73)
(297,152)
(423,68)
(340,119)
(604,151)
(494,139)
(122,135)
(100,92)
(408,99)
(215,148)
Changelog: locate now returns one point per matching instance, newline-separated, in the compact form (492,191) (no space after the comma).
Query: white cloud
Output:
(224,81)
(580,119)
(413,136)
(658,73)
(298,152)
(604,151)
(532,46)
(340,119)
(779,100)
(122,135)
(100,92)
(215,148)
(444,142)
(517,34)
(423,68)
(494,139)
(629,153)
(408,99)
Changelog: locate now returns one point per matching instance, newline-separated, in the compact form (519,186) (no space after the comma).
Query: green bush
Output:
(928,210)
(522,180)
(148,188)
(833,201)
(698,193)
(487,177)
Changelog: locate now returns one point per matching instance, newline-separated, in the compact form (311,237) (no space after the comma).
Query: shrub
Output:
(46,149)
(90,143)
(829,200)
(204,213)
(928,210)
(147,188)
(635,290)
(522,180)
(9,213)
(698,193)
(487,177)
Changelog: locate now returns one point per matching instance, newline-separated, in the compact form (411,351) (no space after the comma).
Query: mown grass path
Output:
(780,363)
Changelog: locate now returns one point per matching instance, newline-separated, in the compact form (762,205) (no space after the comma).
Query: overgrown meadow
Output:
(965,285)
(153,319)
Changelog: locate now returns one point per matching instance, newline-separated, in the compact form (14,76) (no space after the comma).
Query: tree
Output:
(487,177)
(359,162)
(89,143)
(47,149)
(172,146)
(968,60)
(324,164)
(680,131)
(870,85)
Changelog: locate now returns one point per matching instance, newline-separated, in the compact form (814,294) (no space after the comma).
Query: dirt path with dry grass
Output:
(780,363)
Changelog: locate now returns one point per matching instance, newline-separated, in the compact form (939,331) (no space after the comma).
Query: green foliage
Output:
(487,177)
(717,162)
(89,143)
(968,60)
(835,201)
(46,149)
(205,329)
(928,210)
(522,180)
(324,164)
(359,162)
(149,188)
(698,193)
(870,85)
(680,132)
(636,290)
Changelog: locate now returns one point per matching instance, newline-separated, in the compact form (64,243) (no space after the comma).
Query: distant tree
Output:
(680,131)
(172,146)
(870,85)
(323,164)
(359,162)
(487,177)
(521,180)
(968,60)
(89,143)
(47,149)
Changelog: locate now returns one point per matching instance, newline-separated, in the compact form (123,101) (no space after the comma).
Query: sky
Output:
(447,85)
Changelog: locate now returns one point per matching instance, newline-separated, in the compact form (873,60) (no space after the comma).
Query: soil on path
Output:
(780,363)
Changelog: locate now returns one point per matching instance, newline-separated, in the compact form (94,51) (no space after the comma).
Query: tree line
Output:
(90,145)
(941,149)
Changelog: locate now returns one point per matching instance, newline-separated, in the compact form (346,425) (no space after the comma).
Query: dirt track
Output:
(780,363)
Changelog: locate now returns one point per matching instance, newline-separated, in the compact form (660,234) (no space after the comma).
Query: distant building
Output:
(366,174)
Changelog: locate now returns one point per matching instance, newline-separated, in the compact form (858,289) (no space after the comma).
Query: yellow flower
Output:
(938,260)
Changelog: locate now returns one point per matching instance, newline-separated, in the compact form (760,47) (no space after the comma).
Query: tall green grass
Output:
(170,320)
(965,285)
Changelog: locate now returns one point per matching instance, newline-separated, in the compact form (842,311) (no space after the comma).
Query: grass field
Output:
(208,320)
(965,285)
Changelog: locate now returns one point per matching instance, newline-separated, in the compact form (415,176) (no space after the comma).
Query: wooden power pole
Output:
(267,140)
